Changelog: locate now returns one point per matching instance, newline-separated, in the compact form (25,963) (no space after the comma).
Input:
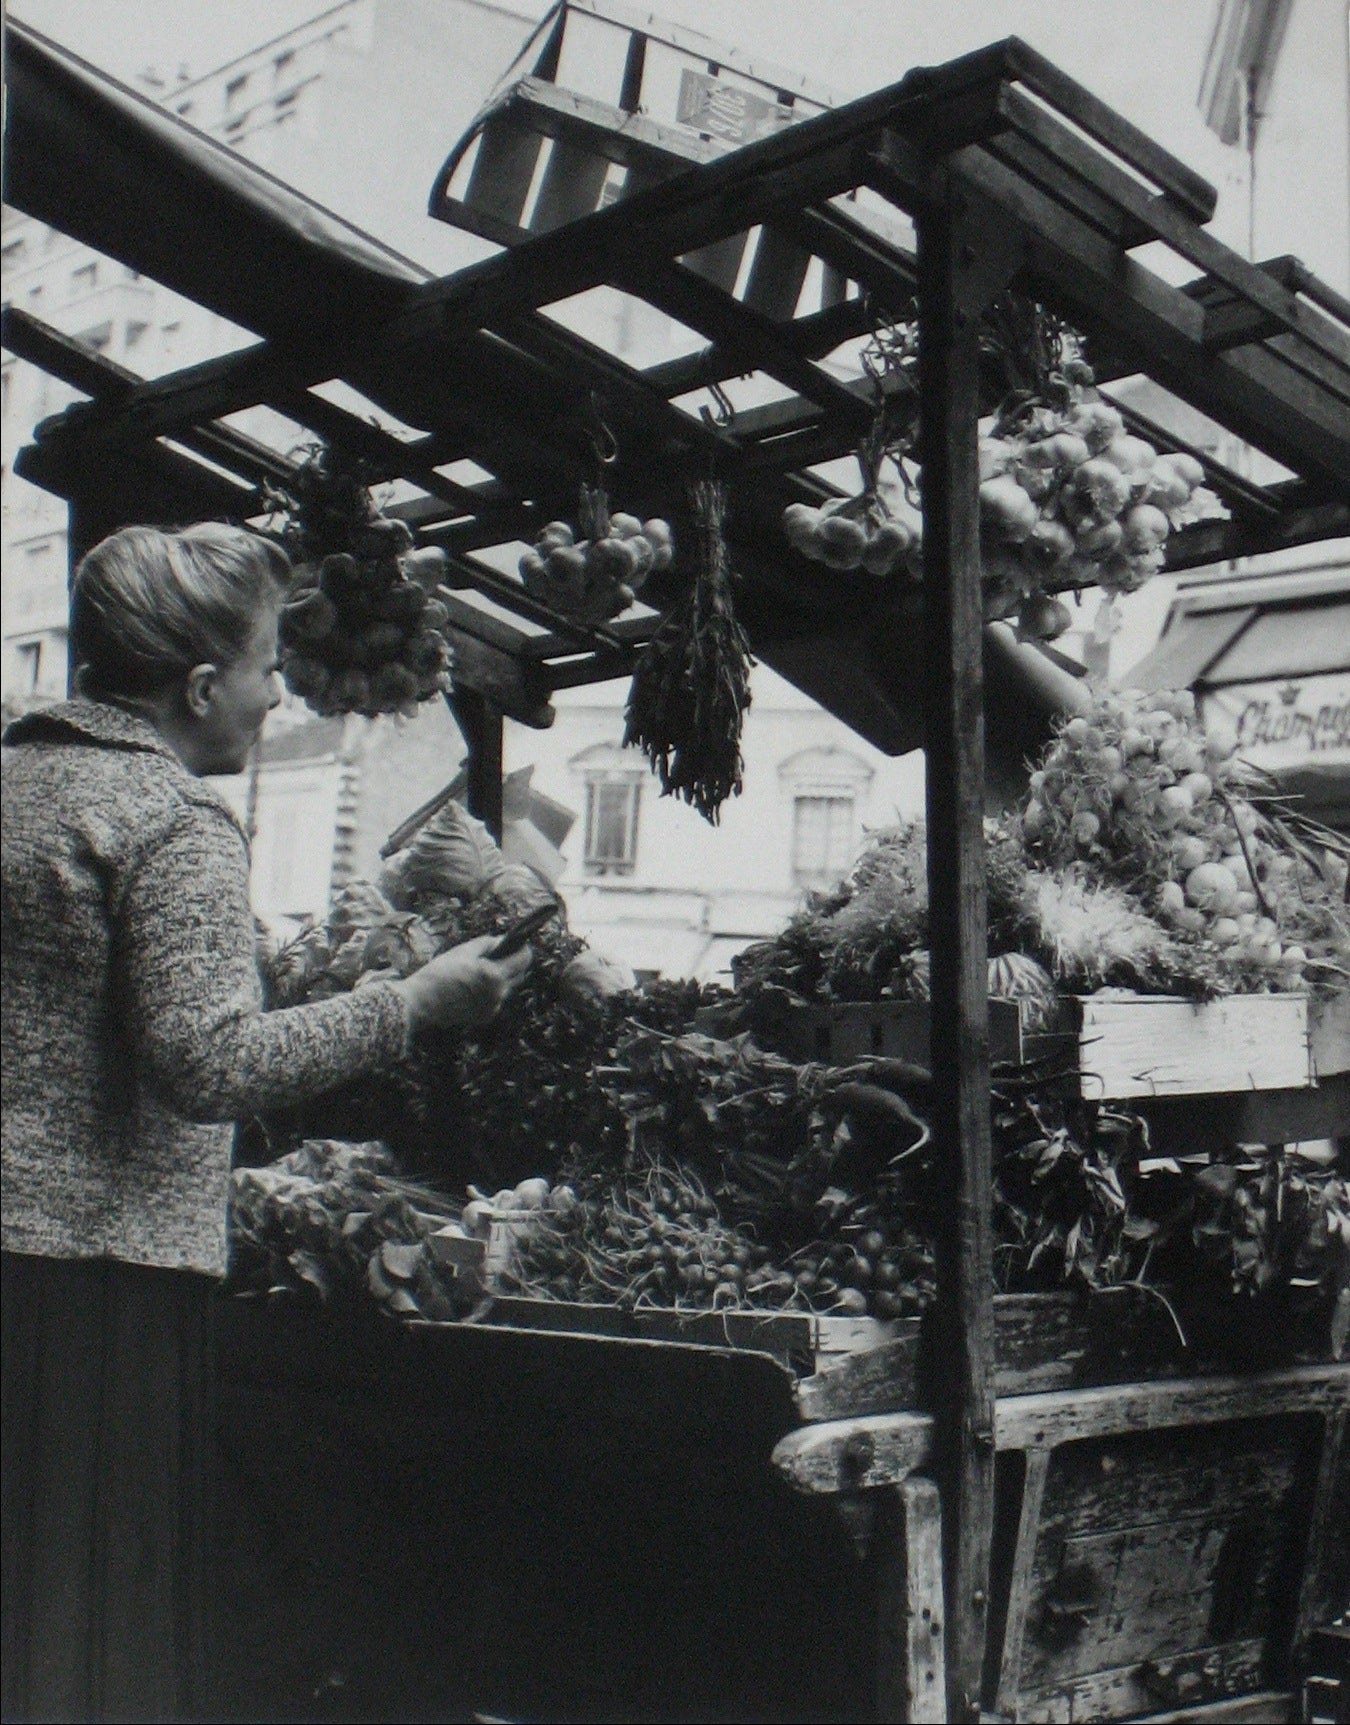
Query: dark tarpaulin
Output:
(90,157)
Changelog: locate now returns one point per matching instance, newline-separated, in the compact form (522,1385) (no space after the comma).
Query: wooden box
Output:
(1156,1045)
(852,1030)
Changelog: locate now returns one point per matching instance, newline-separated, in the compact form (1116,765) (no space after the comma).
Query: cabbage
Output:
(453,856)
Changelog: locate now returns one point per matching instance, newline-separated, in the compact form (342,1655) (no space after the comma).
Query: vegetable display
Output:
(360,630)
(1138,797)
(593,575)
(691,687)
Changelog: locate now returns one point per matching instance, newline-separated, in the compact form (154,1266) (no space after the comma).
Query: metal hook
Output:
(721,415)
(603,442)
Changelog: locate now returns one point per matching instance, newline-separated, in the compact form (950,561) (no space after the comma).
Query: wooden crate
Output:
(851,1030)
(1155,1045)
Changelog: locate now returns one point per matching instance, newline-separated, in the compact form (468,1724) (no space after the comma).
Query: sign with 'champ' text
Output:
(1302,721)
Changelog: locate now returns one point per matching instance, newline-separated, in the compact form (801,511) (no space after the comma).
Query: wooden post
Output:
(962,261)
(481,724)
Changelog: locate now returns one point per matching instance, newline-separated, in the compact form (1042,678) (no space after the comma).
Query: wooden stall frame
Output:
(1012,174)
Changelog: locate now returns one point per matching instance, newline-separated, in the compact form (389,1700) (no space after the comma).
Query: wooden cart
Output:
(1010,174)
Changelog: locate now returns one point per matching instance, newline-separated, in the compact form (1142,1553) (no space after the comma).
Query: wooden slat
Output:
(512,688)
(499,181)
(776,276)
(1327,1528)
(62,356)
(812,336)
(910,1614)
(481,724)
(694,300)
(1089,279)
(1181,185)
(1039,166)
(570,188)
(1045,1421)
(1023,1576)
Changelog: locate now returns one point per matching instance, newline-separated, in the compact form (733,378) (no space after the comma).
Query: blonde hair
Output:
(148,604)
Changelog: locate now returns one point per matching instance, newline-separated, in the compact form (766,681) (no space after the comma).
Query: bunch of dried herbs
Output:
(691,687)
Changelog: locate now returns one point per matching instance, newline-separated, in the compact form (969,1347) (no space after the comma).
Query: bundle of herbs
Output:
(691,687)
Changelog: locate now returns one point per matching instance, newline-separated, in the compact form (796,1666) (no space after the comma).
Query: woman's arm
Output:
(187,980)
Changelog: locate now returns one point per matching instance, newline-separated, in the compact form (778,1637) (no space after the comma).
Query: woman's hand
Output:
(464,986)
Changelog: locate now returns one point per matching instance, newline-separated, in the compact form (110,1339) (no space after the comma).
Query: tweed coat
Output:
(133,1027)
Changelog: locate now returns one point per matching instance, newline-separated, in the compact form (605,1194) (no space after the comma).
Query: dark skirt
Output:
(107,1374)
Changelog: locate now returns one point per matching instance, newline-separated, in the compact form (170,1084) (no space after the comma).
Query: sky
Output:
(1144,57)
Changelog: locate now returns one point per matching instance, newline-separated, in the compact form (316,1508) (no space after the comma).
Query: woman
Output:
(133,1035)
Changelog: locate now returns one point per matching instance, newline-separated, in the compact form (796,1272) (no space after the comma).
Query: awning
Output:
(1191,646)
(94,159)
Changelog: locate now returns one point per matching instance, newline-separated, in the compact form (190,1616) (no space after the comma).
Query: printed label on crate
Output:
(722,111)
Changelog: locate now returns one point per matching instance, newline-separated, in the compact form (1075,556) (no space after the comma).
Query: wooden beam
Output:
(1253,392)
(1181,185)
(1023,1570)
(481,724)
(1246,282)
(965,257)
(883,1449)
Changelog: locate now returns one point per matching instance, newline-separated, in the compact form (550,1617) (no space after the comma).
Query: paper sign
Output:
(723,111)
(1294,723)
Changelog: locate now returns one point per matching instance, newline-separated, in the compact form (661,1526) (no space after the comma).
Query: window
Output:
(13,251)
(134,333)
(27,666)
(99,338)
(183,110)
(283,65)
(829,788)
(611,823)
(822,839)
(85,278)
(234,93)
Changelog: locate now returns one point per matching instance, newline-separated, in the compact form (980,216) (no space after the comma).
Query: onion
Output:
(1171,898)
(1223,931)
(1145,528)
(1085,827)
(1130,454)
(1212,887)
(1099,487)
(1199,785)
(1190,852)
(1009,507)
(1220,742)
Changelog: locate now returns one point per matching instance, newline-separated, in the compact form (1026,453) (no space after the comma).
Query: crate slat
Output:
(1154,1045)
(499,182)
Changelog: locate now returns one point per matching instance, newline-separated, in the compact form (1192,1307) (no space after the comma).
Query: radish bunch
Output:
(1138,792)
(593,577)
